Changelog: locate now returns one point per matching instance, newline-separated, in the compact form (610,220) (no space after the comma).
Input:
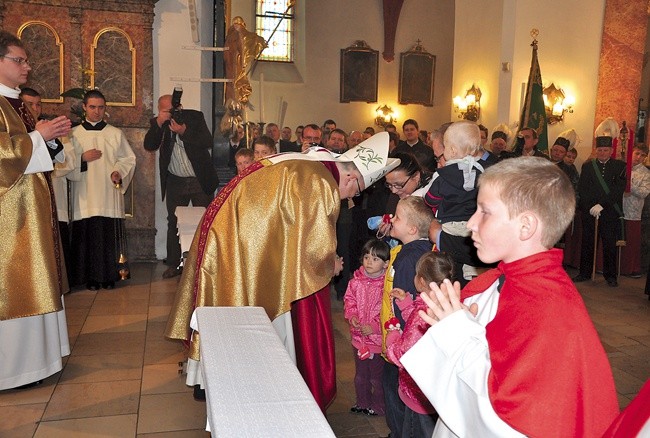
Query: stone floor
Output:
(122,380)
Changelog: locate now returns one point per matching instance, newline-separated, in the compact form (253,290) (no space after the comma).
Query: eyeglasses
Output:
(19,61)
(358,188)
(398,186)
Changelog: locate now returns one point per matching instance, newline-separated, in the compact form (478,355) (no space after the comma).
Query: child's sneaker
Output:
(357,410)
(370,412)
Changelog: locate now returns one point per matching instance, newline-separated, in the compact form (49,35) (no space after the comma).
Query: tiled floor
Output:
(122,380)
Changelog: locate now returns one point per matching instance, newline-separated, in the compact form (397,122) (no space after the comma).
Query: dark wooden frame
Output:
(417,69)
(359,73)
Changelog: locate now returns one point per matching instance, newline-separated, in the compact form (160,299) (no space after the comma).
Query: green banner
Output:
(533,114)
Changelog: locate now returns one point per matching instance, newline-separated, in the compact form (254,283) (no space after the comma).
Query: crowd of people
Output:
(444,250)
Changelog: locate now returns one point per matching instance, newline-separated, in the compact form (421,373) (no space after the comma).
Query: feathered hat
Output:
(606,132)
(568,139)
(502,131)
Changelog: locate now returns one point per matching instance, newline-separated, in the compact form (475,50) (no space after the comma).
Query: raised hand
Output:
(51,129)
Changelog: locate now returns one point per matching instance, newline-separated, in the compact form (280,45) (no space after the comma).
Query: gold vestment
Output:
(267,239)
(32,276)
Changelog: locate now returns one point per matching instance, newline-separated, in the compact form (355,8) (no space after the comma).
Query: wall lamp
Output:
(556,104)
(469,107)
(384,116)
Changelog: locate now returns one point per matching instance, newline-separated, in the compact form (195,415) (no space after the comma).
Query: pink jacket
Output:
(397,345)
(363,300)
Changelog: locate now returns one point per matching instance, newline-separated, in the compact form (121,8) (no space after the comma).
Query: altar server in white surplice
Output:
(103,172)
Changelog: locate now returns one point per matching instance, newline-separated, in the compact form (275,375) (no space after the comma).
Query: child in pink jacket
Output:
(362,303)
(419,417)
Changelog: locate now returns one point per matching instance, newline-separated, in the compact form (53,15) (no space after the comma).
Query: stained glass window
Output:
(274,20)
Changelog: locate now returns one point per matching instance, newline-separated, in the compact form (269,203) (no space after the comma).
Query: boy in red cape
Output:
(516,353)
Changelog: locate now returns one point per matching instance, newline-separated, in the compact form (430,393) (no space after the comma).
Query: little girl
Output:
(419,416)
(362,303)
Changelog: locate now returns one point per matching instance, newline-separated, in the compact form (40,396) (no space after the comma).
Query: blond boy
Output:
(409,225)
(524,357)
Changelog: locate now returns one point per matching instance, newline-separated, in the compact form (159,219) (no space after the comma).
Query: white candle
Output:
(262,97)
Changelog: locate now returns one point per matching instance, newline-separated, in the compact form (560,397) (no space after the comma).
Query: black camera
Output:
(177,108)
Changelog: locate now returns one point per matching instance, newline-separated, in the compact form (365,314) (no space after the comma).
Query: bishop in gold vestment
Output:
(269,239)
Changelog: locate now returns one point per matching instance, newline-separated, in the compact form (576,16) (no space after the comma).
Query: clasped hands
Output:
(595,210)
(442,301)
(365,329)
(51,129)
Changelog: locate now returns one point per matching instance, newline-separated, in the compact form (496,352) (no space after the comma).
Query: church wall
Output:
(171,31)
(569,49)
(314,95)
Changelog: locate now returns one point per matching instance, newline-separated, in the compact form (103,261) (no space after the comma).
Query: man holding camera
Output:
(186,170)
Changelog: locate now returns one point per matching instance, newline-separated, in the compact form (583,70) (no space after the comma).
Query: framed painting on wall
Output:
(359,73)
(417,69)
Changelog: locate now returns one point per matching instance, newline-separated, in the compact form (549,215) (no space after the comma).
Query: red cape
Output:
(550,375)
(634,417)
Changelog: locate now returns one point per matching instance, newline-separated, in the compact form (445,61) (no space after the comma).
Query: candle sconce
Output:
(557,104)
(469,107)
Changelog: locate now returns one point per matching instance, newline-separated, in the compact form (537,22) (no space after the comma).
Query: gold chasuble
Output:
(32,276)
(268,239)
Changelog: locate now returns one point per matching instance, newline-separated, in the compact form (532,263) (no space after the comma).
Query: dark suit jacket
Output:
(422,152)
(289,146)
(592,193)
(198,143)
(232,150)
(488,158)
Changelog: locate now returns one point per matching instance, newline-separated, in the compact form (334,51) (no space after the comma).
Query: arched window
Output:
(275,15)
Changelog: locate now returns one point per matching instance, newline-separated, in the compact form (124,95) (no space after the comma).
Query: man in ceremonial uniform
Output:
(103,172)
(600,189)
(33,332)
(566,140)
(268,239)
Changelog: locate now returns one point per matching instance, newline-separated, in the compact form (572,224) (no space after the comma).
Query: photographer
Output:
(186,171)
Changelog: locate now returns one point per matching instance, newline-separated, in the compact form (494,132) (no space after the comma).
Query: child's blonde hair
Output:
(435,266)
(462,139)
(537,185)
(418,214)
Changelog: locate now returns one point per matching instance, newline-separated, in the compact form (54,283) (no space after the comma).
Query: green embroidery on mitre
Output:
(367,156)
(371,158)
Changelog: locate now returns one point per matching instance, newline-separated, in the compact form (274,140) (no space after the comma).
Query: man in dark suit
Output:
(186,170)
(236,142)
(273,131)
(414,145)
(600,189)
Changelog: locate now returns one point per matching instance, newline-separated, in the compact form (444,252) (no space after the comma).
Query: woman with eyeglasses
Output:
(405,180)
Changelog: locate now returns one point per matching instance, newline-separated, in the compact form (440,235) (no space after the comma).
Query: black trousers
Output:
(343,236)
(179,192)
(608,232)
(395,407)
(94,250)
